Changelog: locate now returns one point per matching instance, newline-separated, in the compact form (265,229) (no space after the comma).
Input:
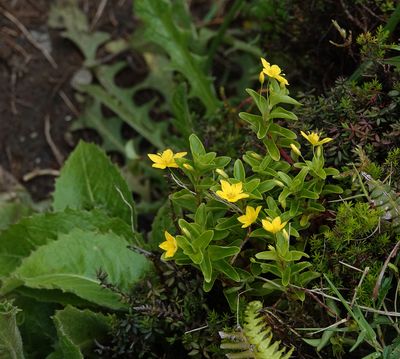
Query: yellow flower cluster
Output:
(273,71)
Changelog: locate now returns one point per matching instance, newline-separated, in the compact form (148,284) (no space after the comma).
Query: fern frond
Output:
(384,199)
(255,339)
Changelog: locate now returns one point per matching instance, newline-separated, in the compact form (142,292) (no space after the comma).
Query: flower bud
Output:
(221,172)
(188,167)
(186,232)
(295,149)
(261,77)
(256,156)
(279,183)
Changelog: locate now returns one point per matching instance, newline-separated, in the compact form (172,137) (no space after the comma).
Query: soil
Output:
(35,90)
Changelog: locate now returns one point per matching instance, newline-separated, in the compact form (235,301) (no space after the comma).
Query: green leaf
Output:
(160,28)
(219,252)
(206,268)
(259,100)
(108,128)
(267,255)
(224,267)
(286,276)
(180,108)
(266,186)
(280,112)
(22,238)
(227,223)
(256,122)
(74,21)
(272,149)
(305,193)
(10,338)
(119,100)
(307,277)
(201,215)
(331,188)
(71,263)
(196,146)
(203,240)
(276,98)
(78,329)
(185,199)
(238,170)
(284,132)
(89,180)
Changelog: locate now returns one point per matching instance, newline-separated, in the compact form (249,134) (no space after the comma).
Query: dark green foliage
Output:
(355,115)
(162,309)
(355,240)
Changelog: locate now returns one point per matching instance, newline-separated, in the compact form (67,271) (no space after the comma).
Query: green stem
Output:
(221,32)
(389,27)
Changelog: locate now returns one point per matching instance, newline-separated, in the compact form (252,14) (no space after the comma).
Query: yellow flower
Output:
(250,217)
(313,138)
(231,193)
(274,72)
(275,226)
(170,245)
(165,159)
(295,149)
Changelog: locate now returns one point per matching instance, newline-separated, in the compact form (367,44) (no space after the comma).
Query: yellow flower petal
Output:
(267,225)
(180,154)
(225,186)
(265,63)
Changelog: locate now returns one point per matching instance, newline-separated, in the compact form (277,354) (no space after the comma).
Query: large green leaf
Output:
(36,327)
(18,241)
(71,263)
(158,17)
(89,180)
(77,330)
(10,338)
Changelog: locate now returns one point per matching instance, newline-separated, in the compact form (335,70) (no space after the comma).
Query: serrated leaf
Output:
(158,19)
(18,241)
(108,128)
(10,337)
(77,331)
(67,15)
(89,180)
(71,263)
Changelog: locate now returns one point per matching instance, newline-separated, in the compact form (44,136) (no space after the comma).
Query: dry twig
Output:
(28,36)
